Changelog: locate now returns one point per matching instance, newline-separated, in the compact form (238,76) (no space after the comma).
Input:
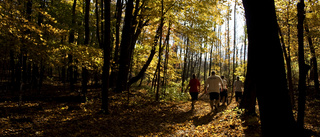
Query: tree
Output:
(125,48)
(86,42)
(314,61)
(303,68)
(265,56)
(71,40)
(152,53)
(160,52)
(288,65)
(106,58)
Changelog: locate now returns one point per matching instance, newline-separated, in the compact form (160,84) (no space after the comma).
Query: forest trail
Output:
(143,117)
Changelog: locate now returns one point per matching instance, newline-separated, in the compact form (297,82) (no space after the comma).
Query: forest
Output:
(122,67)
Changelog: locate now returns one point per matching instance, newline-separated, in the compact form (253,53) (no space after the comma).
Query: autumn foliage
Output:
(120,67)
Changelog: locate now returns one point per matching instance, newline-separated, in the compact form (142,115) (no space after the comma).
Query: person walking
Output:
(194,85)
(212,85)
(224,92)
(237,89)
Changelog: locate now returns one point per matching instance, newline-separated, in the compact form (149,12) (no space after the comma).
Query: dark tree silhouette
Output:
(125,48)
(267,68)
(303,67)
(106,57)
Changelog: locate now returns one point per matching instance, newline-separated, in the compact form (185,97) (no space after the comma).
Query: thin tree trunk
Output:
(303,68)
(97,23)
(152,53)
(200,60)
(234,44)
(228,46)
(102,24)
(288,61)
(245,51)
(220,55)
(166,61)
(160,52)
(314,61)
(106,56)
(288,65)
(71,40)
(86,42)
(184,73)
(205,65)
(118,17)
(210,65)
(115,65)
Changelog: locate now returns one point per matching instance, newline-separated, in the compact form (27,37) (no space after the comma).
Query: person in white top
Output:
(212,85)
(224,92)
(237,89)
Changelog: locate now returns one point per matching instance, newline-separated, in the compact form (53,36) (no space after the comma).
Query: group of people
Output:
(217,89)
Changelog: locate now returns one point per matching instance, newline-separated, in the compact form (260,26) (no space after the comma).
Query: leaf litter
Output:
(140,116)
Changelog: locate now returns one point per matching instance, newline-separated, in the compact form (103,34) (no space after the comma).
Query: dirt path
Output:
(226,121)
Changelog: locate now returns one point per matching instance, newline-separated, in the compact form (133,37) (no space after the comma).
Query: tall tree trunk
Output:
(245,50)
(102,24)
(106,58)
(250,92)
(303,68)
(314,61)
(166,61)
(23,56)
(125,47)
(199,60)
(210,60)
(234,43)
(205,65)
(118,17)
(97,23)
(71,40)
(86,42)
(288,65)
(249,95)
(220,54)
(266,56)
(117,46)
(288,60)
(184,72)
(228,44)
(160,52)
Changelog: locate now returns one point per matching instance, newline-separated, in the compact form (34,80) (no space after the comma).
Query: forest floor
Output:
(65,115)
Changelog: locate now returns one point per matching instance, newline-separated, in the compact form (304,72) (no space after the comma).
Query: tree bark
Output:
(71,40)
(288,60)
(314,61)
(86,42)
(303,68)
(234,44)
(106,58)
(184,72)
(115,65)
(288,65)
(152,53)
(125,46)
(160,52)
(97,23)
(266,57)
(166,61)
